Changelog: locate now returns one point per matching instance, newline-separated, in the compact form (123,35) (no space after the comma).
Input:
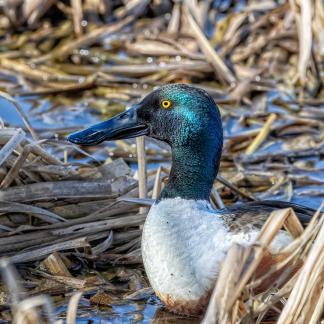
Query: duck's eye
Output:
(166,104)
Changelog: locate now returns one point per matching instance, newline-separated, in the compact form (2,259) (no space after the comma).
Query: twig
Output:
(230,185)
(222,70)
(157,184)
(11,145)
(264,132)
(42,252)
(73,308)
(77,16)
(142,179)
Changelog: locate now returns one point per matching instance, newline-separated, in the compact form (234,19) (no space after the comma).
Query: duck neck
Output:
(193,171)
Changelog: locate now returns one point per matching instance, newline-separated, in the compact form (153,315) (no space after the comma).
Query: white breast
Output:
(183,243)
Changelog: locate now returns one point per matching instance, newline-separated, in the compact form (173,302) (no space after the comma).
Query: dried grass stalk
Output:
(236,297)
(308,288)
(304,23)
(157,184)
(77,16)
(220,67)
(264,132)
(142,177)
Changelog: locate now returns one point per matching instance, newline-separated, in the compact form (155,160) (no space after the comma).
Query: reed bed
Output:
(71,218)
(298,300)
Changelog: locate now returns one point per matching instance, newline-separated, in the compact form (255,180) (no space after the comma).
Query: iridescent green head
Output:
(179,114)
(186,118)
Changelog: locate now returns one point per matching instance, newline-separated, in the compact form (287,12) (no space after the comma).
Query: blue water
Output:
(45,114)
(124,313)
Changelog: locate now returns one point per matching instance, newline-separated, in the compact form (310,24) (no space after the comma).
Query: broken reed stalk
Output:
(55,265)
(31,148)
(303,17)
(264,132)
(308,287)
(11,145)
(220,67)
(73,308)
(157,184)
(142,177)
(77,16)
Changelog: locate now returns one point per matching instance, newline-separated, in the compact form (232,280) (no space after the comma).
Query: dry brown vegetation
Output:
(298,300)
(64,217)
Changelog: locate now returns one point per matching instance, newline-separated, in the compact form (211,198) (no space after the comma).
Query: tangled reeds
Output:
(300,300)
(255,44)
(64,219)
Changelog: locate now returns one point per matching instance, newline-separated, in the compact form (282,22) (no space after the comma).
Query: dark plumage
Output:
(191,126)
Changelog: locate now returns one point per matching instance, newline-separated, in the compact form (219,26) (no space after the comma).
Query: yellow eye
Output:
(166,104)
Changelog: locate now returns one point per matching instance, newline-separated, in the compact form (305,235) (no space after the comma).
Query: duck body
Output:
(184,239)
(184,242)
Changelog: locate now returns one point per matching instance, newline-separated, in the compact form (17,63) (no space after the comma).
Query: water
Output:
(118,313)
(47,114)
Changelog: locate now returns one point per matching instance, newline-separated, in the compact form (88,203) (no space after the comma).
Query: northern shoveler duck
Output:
(184,238)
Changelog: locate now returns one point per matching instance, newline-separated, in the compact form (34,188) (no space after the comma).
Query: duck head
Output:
(186,118)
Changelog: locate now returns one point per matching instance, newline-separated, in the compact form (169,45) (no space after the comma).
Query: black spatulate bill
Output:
(122,126)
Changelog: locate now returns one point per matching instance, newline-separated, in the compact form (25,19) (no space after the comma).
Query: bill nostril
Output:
(123,115)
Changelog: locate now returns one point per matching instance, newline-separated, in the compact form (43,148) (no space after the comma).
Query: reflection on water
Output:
(46,114)
(150,311)
(123,313)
